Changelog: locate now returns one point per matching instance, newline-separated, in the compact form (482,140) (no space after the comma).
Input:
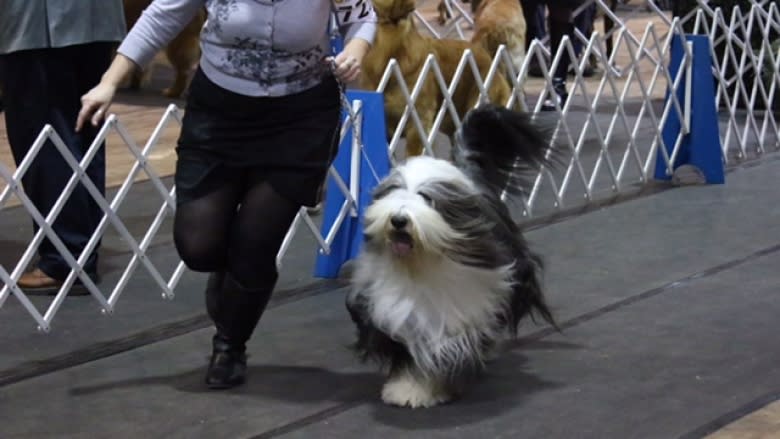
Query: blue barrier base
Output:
(701,147)
(347,241)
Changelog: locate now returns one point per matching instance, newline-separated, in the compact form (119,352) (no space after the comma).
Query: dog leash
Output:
(352,117)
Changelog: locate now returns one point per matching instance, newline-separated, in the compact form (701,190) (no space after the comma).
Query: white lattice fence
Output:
(747,75)
(608,132)
(610,129)
(138,245)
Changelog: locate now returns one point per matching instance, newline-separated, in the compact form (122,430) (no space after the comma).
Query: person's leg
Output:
(608,26)
(26,113)
(560,23)
(91,61)
(30,79)
(584,22)
(202,225)
(534,13)
(257,234)
(246,273)
(201,232)
(45,86)
(534,27)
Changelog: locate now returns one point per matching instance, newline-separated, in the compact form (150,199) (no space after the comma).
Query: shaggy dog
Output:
(397,37)
(498,22)
(182,52)
(445,275)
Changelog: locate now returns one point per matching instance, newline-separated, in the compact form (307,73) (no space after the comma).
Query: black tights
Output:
(237,229)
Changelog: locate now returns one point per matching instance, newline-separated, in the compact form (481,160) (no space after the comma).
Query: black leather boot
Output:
(235,311)
(227,367)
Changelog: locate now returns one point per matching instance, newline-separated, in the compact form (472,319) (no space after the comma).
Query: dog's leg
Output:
(406,388)
(517,53)
(138,77)
(444,14)
(182,55)
(414,139)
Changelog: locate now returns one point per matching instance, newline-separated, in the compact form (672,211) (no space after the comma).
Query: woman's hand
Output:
(348,61)
(95,103)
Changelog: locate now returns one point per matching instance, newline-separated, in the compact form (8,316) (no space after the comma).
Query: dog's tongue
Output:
(401,248)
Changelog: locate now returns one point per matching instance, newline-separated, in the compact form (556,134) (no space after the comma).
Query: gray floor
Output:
(668,305)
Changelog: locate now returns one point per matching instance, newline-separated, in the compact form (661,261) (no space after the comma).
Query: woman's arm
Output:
(356,19)
(358,26)
(157,26)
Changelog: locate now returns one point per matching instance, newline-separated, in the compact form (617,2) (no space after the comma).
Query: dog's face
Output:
(393,10)
(426,206)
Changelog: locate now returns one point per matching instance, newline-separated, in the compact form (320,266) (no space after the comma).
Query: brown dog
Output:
(397,37)
(182,52)
(498,22)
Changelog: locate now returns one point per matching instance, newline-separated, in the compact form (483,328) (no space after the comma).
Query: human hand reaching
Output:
(95,104)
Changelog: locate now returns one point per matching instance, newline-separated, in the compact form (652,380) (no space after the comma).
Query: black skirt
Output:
(291,140)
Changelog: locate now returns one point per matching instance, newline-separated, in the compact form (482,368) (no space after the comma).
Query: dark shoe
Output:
(38,283)
(235,311)
(227,367)
(561,96)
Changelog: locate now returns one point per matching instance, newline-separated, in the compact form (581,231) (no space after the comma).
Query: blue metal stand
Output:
(701,147)
(374,163)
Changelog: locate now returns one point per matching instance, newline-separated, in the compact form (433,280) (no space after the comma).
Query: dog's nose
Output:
(399,221)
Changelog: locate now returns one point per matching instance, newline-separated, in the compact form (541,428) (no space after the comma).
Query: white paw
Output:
(404,390)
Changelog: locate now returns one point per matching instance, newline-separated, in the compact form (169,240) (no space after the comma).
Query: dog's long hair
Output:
(445,274)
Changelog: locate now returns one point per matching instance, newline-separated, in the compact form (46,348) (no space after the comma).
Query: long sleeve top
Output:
(254,47)
(40,24)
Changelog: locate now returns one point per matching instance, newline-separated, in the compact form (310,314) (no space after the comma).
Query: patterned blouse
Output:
(254,47)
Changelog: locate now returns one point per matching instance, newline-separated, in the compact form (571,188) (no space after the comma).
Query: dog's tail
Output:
(499,147)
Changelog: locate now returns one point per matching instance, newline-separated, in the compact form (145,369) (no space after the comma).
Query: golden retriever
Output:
(182,52)
(397,37)
(498,22)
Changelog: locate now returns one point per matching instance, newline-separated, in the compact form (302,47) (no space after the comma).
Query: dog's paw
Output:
(405,390)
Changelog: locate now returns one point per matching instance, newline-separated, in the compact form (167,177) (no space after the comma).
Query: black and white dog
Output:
(444,274)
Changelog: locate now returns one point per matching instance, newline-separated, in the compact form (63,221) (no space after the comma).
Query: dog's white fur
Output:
(442,276)
(429,303)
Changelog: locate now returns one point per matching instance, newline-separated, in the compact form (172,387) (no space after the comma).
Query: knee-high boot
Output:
(235,311)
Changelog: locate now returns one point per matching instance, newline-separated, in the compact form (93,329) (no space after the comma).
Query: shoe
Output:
(38,283)
(227,368)
(561,96)
(235,311)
